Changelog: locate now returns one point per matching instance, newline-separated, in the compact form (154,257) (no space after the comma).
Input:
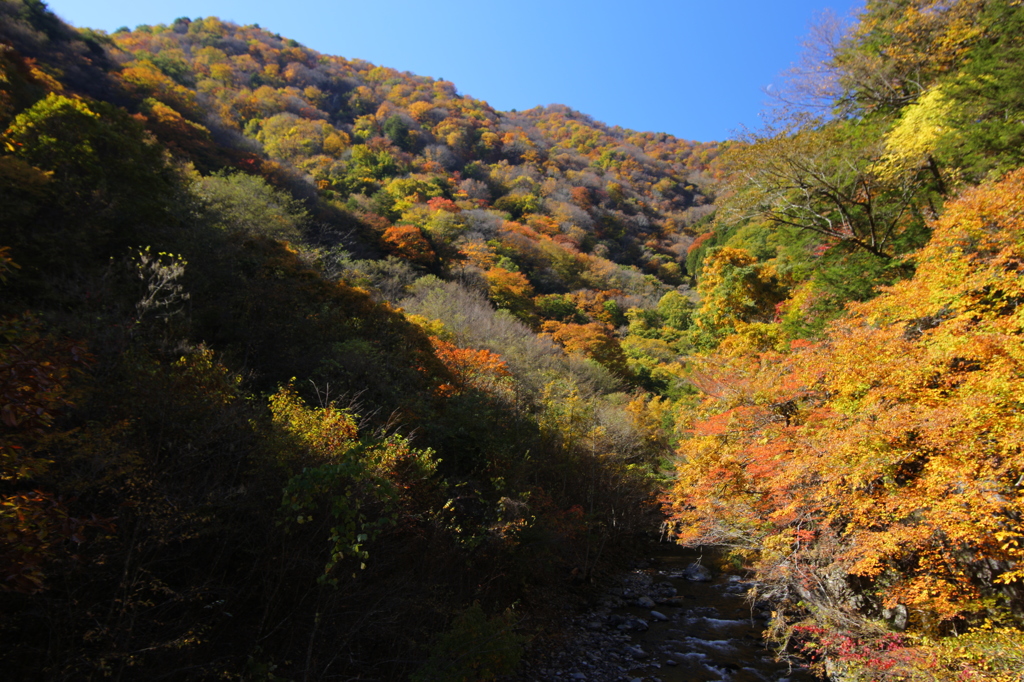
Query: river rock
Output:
(637,653)
(658,615)
(697,573)
(645,602)
(664,590)
(673,601)
(633,625)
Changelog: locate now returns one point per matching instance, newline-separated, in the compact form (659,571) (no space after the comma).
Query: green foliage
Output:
(554,306)
(369,165)
(986,98)
(821,178)
(106,182)
(518,205)
(286,136)
(676,310)
(397,131)
(174,67)
(644,323)
(248,205)
(476,647)
(337,482)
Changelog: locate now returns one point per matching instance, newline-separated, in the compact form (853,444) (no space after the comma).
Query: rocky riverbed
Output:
(674,619)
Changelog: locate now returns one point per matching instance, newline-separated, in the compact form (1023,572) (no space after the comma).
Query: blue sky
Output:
(696,70)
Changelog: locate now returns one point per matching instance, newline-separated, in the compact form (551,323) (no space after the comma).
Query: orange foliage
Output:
(892,451)
(442,204)
(481,369)
(419,110)
(581,197)
(408,241)
(593,303)
(478,253)
(149,82)
(510,290)
(544,224)
(181,136)
(698,242)
(519,228)
(35,526)
(594,340)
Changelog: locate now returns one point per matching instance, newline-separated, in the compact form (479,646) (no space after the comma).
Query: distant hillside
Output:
(368,137)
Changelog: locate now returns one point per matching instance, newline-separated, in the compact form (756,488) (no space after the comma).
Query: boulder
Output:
(897,617)
(637,653)
(664,590)
(697,573)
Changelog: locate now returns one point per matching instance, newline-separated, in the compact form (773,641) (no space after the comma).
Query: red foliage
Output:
(442,204)
(698,242)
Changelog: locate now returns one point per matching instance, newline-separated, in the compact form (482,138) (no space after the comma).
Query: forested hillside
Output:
(312,369)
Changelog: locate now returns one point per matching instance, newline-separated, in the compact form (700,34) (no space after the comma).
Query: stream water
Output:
(710,632)
(654,624)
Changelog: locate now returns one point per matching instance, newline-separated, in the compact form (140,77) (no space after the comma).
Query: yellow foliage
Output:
(913,138)
(753,337)
(434,328)
(419,110)
(328,432)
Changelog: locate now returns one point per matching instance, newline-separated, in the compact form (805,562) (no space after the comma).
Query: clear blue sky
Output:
(693,69)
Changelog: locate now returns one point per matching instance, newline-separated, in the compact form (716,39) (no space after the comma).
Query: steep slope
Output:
(226,451)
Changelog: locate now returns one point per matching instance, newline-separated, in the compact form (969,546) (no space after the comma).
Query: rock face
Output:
(897,617)
(697,573)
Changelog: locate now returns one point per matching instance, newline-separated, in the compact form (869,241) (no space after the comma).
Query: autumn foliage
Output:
(594,340)
(36,528)
(470,368)
(878,470)
(370,361)
(408,241)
